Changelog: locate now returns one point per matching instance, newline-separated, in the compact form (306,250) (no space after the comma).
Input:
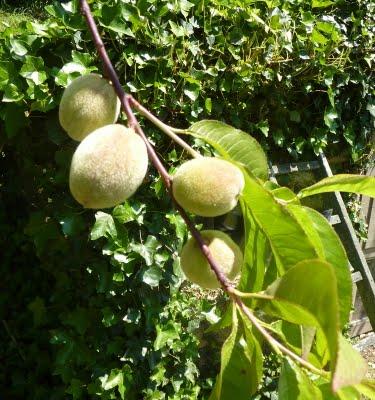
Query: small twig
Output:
(20,352)
(275,343)
(252,295)
(164,127)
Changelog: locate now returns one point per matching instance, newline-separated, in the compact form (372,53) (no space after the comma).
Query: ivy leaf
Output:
(322,3)
(295,385)
(18,47)
(147,250)
(360,184)
(104,226)
(34,70)
(152,276)
(233,144)
(166,334)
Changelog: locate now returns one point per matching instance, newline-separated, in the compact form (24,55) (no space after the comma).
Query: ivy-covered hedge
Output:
(95,306)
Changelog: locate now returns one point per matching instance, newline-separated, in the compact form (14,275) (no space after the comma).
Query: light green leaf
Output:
(322,3)
(343,183)
(12,93)
(367,388)
(147,250)
(152,276)
(18,47)
(329,247)
(257,253)
(350,367)
(254,350)
(166,334)
(285,194)
(311,286)
(33,69)
(233,144)
(112,380)
(236,370)
(288,241)
(104,226)
(295,385)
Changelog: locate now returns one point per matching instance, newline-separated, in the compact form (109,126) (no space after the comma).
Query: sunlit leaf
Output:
(310,287)
(343,183)
(329,247)
(294,384)
(233,144)
(236,370)
(287,239)
(350,368)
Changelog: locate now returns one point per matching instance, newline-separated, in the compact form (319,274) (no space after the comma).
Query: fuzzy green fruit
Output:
(207,186)
(88,103)
(107,167)
(227,254)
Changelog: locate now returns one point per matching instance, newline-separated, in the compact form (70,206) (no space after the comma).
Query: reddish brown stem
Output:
(126,100)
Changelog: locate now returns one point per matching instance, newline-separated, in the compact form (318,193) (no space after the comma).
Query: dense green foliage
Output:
(107,317)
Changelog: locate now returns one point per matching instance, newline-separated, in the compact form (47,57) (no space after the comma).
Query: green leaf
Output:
(288,241)
(79,319)
(104,226)
(152,276)
(255,353)
(322,3)
(367,388)
(233,144)
(120,379)
(295,385)
(350,367)
(34,70)
(15,119)
(12,93)
(166,334)
(256,254)
(38,308)
(360,184)
(311,285)
(329,247)
(284,193)
(17,47)
(236,371)
(147,250)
